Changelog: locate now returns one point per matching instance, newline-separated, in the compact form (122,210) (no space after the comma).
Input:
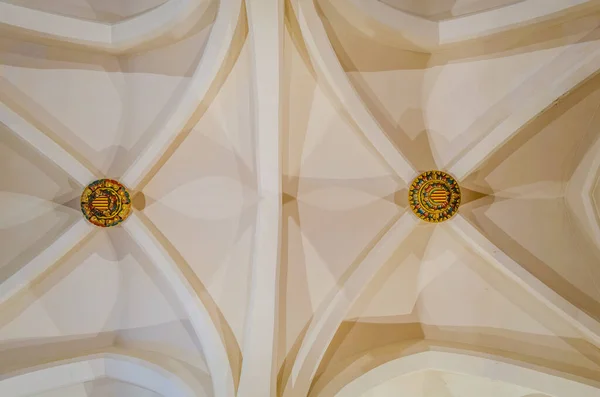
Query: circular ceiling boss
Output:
(434,196)
(105,203)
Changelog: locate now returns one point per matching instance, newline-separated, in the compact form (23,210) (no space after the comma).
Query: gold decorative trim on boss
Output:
(434,196)
(105,203)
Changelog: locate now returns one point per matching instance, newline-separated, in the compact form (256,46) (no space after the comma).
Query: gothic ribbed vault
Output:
(268,146)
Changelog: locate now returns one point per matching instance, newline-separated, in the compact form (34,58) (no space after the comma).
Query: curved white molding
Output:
(580,190)
(63,28)
(207,331)
(578,62)
(328,66)
(328,318)
(257,375)
(581,321)
(45,145)
(574,66)
(502,18)
(266,30)
(117,37)
(553,385)
(45,260)
(211,63)
(430,35)
(107,365)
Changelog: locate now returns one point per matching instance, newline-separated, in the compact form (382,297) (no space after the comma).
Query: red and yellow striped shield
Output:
(439,196)
(101,203)
(105,203)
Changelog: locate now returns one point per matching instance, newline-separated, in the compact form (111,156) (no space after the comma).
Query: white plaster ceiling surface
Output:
(446,9)
(100,388)
(431,383)
(97,10)
(268,147)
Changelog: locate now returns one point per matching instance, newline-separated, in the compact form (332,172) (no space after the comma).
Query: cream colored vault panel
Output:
(452,374)
(97,10)
(441,384)
(101,387)
(445,9)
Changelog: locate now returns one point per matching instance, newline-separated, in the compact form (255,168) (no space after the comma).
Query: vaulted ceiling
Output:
(268,147)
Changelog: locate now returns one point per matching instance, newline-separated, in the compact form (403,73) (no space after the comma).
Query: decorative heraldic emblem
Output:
(434,196)
(105,203)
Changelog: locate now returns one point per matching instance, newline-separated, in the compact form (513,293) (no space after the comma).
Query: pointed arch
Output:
(174,17)
(555,384)
(587,325)
(121,367)
(430,35)
(328,66)
(213,60)
(327,320)
(206,329)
